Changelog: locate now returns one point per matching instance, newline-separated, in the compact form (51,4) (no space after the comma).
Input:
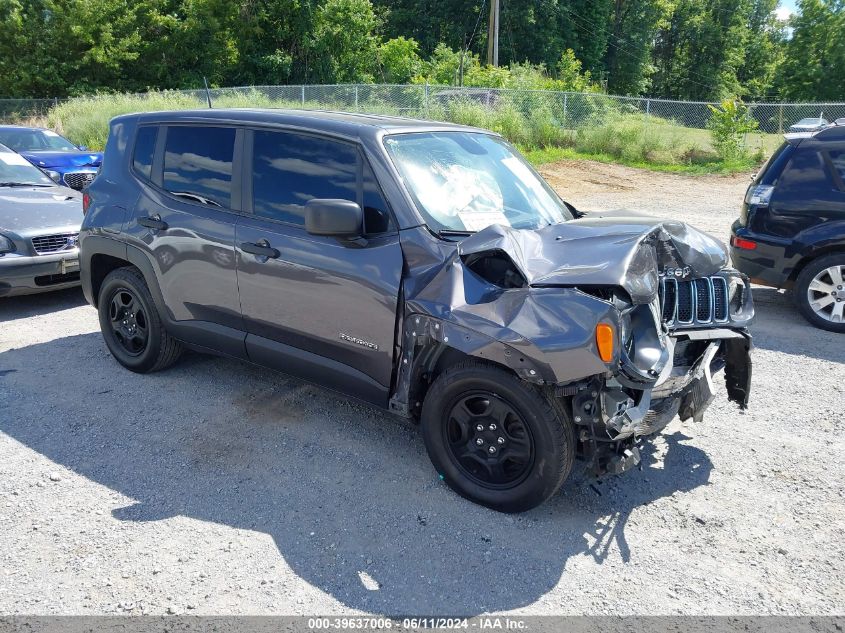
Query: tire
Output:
(820,292)
(465,404)
(131,325)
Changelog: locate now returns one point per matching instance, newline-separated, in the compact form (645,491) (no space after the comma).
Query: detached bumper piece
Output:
(612,417)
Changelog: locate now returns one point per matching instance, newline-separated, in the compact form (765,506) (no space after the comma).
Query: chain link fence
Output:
(21,110)
(534,117)
(570,109)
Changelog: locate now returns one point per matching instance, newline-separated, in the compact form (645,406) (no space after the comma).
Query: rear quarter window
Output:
(773,168)
(142,155)
(837,162)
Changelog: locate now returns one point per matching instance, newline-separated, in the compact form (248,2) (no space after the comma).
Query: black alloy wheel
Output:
(488,440)
(129,321)
(132,328)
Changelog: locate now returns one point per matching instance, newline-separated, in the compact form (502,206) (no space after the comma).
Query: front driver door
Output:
(319,307)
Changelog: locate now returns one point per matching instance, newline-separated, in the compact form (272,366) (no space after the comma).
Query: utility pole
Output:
(493,35)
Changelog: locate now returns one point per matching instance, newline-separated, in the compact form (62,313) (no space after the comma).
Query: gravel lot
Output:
(221,488)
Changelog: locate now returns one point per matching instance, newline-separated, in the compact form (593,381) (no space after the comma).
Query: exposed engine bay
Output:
(532,300)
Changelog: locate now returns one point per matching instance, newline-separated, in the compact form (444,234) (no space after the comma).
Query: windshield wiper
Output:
(24,184)
(454,233)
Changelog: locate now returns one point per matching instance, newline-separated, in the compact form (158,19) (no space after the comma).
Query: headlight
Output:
(53,174)
(6,245)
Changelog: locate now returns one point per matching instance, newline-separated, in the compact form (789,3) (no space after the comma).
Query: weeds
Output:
(630,138)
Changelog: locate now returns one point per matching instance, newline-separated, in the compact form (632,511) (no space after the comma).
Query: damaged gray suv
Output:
(421,267)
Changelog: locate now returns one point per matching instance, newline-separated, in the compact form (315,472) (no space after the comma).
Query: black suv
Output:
(421,267)
(791,230)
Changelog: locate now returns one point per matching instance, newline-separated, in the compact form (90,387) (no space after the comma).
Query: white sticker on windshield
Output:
(49,133)
(10,158)
(478,220)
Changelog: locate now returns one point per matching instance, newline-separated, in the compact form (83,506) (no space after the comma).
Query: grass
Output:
(632,139)
(542,156)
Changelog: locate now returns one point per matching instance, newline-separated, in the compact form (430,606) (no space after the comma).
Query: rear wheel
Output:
(495,439)
(820,292)
(131,326)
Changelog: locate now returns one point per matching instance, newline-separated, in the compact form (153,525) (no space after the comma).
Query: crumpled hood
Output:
(29,210)
(613,251)
(47,160)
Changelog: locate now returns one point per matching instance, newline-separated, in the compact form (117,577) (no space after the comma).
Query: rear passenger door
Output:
(324,308)
(185,221)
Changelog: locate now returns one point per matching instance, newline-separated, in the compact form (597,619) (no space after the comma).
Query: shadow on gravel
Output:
(346,492)
(779,327)
(12,308)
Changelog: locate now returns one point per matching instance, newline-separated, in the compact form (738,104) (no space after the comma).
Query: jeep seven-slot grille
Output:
(45,244)
(695,301)
(79,179)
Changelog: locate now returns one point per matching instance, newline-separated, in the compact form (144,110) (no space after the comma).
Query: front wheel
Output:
(495,439)
(820,292)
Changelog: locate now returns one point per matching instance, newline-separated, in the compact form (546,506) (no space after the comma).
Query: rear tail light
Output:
(86,202)
(759,194)
(746,245)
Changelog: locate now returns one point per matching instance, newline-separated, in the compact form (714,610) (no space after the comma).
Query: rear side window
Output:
(198,164)
(290,169)
(145,145)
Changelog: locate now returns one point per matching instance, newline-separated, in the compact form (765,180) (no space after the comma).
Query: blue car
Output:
(64,162)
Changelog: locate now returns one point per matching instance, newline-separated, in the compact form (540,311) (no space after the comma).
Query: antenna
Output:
(207,92)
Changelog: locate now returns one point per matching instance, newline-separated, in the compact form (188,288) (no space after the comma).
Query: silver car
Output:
(809,124)
(39,229)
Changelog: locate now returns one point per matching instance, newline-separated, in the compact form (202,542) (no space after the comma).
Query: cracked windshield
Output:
(464,182)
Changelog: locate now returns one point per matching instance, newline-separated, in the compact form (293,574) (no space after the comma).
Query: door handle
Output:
(261,249)
(153,222)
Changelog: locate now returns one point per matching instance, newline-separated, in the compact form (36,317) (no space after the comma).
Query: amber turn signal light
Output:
(604,341)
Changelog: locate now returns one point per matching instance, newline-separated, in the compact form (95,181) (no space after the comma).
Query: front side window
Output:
(290,169)
(145,145)
(198,164)
(24,140)
(466,181)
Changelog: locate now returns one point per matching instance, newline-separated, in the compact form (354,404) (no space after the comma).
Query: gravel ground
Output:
(221,488)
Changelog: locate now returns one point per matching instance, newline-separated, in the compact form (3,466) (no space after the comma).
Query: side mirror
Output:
(334,218)
(82,148)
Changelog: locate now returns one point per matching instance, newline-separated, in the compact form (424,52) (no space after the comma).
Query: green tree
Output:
(815,55)
(764,47)
(344,43)
(700,49)
(399,61)
(633,24)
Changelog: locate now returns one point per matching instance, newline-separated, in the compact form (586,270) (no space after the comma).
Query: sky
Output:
(785,9)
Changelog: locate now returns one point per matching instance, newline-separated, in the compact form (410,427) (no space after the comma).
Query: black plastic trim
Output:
(317,369)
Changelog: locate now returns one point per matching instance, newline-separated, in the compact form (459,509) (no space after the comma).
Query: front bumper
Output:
(612,418)
(25,274)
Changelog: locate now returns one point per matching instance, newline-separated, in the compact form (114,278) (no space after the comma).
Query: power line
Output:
(477,22)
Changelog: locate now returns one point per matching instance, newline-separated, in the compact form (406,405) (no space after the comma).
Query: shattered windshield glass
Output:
(467,181)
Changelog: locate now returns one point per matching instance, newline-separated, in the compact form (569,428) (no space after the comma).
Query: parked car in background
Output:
(39,229)
(64,162)
(809,124)
(425,268)
(791,228)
